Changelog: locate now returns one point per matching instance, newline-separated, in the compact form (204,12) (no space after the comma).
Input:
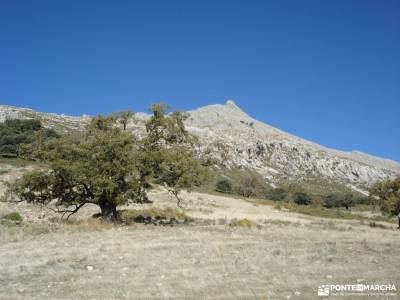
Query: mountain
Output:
(234,139)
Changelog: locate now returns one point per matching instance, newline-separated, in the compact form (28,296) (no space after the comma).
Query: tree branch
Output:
(66,211)
(76,209)
(175,194)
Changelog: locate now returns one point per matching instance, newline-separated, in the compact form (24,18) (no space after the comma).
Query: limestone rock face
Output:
(62,123)
(234,139)
(240,140)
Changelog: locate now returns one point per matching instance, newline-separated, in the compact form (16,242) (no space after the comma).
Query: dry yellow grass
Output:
(277,261)
(286,257)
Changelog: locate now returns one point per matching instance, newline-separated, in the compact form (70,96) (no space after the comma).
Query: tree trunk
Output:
(109,211)
(179,200)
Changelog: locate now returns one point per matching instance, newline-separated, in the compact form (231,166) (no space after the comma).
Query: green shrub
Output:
(223,185)
(334,200)
(14,133)
(331,201)
(302,198)
(347,201)
(362,200)
(14,216)
(387,196)
(278,194)
(241,182)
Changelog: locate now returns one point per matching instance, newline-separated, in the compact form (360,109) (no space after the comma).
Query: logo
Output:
(358,289)
(323,290)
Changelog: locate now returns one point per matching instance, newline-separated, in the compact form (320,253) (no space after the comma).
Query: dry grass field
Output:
(280,255)
(278,260)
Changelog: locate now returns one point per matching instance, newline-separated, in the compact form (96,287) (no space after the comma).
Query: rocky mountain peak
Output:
(234,139)
(231,104)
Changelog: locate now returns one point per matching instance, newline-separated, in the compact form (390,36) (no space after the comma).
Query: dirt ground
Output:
(275,261)
(286,256)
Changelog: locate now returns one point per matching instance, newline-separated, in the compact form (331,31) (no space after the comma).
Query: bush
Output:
(301,198)
(14,216)
(387,195)
(224,186)
(347,200)
(250,185)
(277,194)
(339,201)
(362,200)
(331,201)
(13,133)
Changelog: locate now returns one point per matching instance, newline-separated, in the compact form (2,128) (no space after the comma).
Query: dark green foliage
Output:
(22,125)
(302,198)
(339,200)
(362,200)
(107,166)
(14,133)
(166,130)
(223,185)
(241,182)
(331,201)
(278,194)
(347,200)
(169,154)
(94,169)
(387,194)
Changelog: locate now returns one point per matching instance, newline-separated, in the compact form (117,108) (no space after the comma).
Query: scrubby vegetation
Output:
(339,204)
(14,133)
(155,216)
(302,198)
(224,186)
(387,194)
(250,185)
(108,166)
(14,216)
(245,183)
(335,200)
(277,194)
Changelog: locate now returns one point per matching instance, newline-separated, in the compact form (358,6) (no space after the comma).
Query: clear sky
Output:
(328,71)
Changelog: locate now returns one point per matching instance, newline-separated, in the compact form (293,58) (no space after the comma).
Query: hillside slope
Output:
(235,139)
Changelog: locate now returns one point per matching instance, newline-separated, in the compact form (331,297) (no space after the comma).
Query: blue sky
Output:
(328,71)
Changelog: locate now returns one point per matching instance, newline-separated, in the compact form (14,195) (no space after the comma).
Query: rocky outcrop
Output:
(240,140)
(234,139)
(61,123)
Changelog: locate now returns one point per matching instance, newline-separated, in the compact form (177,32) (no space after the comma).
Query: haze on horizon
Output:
(326,71)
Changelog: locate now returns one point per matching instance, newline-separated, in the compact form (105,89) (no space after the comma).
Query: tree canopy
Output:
(387,193)
(109,166)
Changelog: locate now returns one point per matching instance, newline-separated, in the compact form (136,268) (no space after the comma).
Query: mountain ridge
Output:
(234,139)
(231,104)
